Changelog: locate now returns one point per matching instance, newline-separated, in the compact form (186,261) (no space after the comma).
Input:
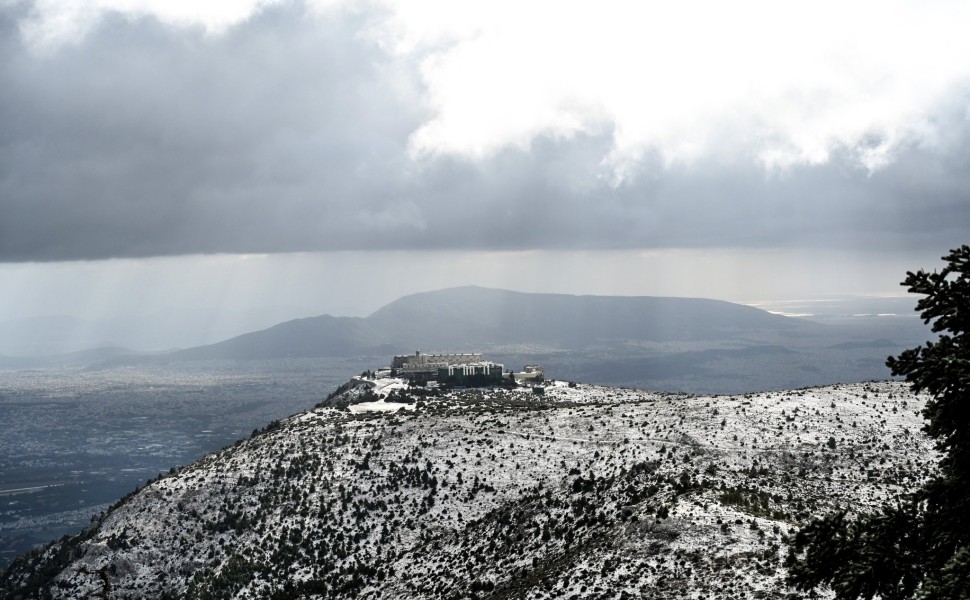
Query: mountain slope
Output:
(584,492)
(313,336)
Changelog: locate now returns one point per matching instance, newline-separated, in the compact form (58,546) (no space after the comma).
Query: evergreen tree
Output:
(919,547)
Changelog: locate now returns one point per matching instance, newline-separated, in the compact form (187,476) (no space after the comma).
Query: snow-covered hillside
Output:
(581,492)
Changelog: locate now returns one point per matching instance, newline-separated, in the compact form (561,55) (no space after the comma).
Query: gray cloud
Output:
(289,133)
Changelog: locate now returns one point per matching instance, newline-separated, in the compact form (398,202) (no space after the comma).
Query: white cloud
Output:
(782,84)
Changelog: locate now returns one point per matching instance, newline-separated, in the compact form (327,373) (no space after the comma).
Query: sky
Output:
(309,157)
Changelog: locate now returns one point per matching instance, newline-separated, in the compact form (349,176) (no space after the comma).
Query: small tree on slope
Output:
(919,547)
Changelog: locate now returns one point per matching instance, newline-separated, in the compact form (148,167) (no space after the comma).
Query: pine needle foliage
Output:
(918,547)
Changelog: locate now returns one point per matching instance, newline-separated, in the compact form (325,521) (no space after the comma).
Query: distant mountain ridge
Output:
(661,343)
(476,317)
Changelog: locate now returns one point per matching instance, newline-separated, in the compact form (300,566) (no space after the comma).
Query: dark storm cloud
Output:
(289,132)
(145,139)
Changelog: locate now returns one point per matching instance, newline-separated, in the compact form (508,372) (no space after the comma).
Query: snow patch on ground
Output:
(380,406)
(384,387)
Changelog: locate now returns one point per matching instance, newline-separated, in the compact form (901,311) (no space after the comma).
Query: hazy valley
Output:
(76,440)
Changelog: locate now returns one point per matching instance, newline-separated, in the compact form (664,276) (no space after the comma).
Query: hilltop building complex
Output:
(530,374)
(452,369)
(460,369)
(406,363)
